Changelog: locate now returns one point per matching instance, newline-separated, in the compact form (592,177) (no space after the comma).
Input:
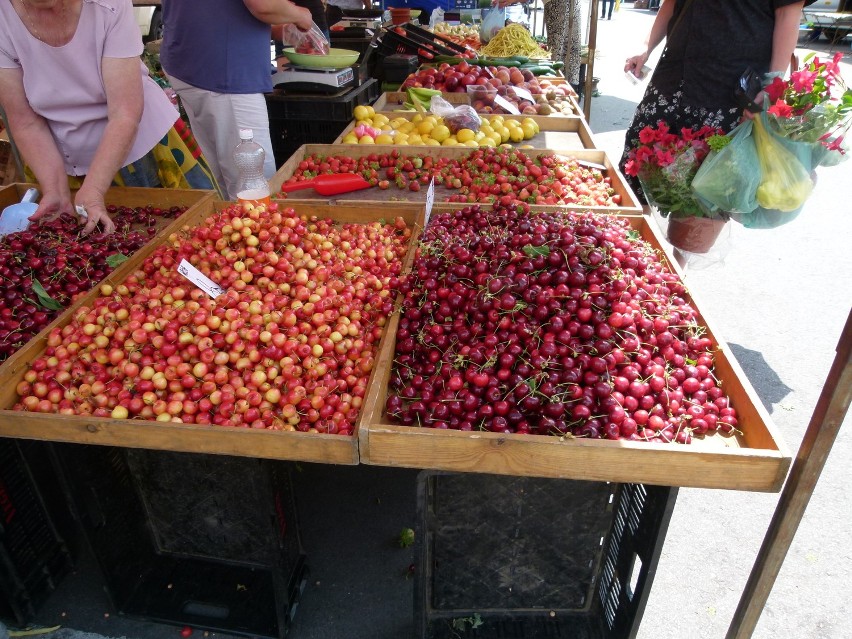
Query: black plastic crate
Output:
(506,557)
(201,540)
(295,120)
(33,554)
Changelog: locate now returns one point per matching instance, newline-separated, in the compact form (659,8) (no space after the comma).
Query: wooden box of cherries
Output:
(238,330)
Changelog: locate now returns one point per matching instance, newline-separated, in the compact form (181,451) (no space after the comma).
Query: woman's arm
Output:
(785,35)
(635,63)
(33,137)
(280,12)
(125,102)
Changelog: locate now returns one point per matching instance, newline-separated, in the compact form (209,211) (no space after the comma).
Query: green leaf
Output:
(406,538)
(116,259)
(535,251)
(44,299)
(633,234)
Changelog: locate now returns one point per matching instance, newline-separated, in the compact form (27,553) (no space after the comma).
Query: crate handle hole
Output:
(635,573)
(211,611)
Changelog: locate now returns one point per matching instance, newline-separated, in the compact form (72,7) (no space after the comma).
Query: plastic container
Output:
(33,554)
(207,541)
(252,186)
(527,557)
(295,120)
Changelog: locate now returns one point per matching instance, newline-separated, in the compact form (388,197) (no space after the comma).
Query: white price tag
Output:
(200,279)
(523,94)
(499,100)
(430,200)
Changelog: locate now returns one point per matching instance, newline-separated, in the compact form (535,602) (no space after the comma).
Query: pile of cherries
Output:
(559,323)
(43,268)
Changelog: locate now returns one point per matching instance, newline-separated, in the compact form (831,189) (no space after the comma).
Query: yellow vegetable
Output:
(784,183)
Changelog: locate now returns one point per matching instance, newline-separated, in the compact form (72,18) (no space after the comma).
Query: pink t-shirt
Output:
(65,84)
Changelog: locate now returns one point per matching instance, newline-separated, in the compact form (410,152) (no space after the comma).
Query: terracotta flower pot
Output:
(694,234)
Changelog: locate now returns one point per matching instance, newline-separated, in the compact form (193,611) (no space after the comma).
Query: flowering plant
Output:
(814,105)
(665,164)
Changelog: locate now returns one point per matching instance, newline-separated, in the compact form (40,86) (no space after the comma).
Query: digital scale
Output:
(300,79)
(357,23)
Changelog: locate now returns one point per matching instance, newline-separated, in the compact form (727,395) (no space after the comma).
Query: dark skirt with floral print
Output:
(672,110)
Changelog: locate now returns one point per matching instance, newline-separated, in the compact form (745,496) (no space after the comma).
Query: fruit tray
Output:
(393,101)
(139,433)
(570,133)
(629,203)
(756,460)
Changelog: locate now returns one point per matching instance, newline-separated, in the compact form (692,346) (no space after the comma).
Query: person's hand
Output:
(304,20)
(635,63)
(93,201)
(52,205)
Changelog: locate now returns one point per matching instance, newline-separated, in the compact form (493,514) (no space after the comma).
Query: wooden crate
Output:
(629,203)
(393,101)
(123,195)
(555,133)
(136,433)
(756,461)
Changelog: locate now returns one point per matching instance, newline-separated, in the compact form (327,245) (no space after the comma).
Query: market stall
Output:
(497,313)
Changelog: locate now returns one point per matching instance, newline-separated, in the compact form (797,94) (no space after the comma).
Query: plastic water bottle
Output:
(248,157)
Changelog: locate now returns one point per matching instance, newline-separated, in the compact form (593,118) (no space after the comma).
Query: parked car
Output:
(149,17)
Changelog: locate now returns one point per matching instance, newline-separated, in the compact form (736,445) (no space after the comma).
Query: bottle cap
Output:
(246,134)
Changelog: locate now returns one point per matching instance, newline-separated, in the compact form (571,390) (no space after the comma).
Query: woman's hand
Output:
(635,63)
(52,205)
(93,201)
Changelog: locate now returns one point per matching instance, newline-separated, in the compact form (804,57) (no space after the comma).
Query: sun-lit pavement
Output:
(780,298)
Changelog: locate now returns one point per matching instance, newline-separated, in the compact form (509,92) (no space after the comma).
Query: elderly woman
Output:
(82,108)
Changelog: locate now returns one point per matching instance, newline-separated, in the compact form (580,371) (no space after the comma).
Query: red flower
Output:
(775,90)
(803,80)
(781,109)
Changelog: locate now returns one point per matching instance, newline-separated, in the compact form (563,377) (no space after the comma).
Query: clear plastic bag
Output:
(494,20)
(728,179)
(311,42)
(462,116)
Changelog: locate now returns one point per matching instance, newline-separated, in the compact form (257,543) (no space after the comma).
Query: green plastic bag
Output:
(728,179)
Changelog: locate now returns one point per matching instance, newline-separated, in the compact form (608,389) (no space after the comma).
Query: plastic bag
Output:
(458,117)
(728,179)
(435,17)
(311,42)
(494,20)
(785,183)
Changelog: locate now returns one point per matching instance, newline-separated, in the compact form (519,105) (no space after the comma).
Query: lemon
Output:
(504,134)
(387,128)
(360,113)
(496,138)
(529,130)
(440,133)
(415,138)
(417,118)
(449,142)
(384,139)
(400,138)
(532,123)
(487,141)
(432,142)
(380,120)
(350,138)
(408,127)
(465,135)
(471,143)
(496,120)
(516,134)
(479,135)
(425,127)
(366,139)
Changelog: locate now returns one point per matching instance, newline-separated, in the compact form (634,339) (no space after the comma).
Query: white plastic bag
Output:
(462,116)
